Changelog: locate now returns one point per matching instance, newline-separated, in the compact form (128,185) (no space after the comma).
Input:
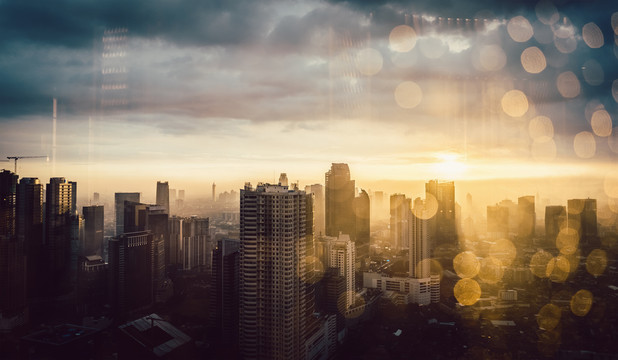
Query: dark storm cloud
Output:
(74,23)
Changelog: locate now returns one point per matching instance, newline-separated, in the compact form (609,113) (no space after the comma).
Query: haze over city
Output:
(309,179)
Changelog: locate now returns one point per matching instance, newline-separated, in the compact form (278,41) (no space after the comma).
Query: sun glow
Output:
(450,166)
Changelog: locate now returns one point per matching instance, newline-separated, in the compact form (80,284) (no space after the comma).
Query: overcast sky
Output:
(196,92)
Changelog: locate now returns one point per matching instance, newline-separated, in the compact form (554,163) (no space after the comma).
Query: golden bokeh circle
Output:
(369,61)
(584,144)
(503,250)
(539,263)
(515,103)
(549,317)
(432,265)
(491,270)
(408,94)
(467,291)
(466,264)
(567,241)
(558,269)
(610,185)
(519,29)
(533,60)
(541,128)
(568,85)
(492,58)
(601,123)
(429,209)
(581,302)
(593,36)
(402,38)
(596,262)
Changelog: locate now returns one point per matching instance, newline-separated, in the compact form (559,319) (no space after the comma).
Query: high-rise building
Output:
(555,220)
(498,221)
(582,217)
(339,195)
(445,224)
(362,209)
(420,242)
(163,195)
(154,218)
(273,289)
(29,229)
(131,271)
(96,197)
(283,179)
(400,214)
(60,239)
(190,244)
(93,230)
(119,205)
(526,216)
(224,299)
(12,257)
(317,190)
(342,255)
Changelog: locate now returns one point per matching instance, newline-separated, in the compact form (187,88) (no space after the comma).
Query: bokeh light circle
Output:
(546,12)
(558,269)
(515,103)
(533,60)
(519,29)
(541,128)
(568,85)
(601,123)
(539,262)
(593,72)
(503,250)
(467,291)
(429,210)
(402,38)
(549,317)
(567,240)
(369,61)
(584,144)
(492,58)
(596,262)
(593,36)
(610,184)
(466,264)
(491,270)
(408,94)
(581,303)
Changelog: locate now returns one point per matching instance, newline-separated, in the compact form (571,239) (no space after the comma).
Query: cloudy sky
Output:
(196,92)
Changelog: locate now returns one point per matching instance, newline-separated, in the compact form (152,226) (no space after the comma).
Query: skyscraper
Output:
(131,271)
(120,199)
(273,288)
(163,195)
(582,217)
(29,229)
(283,179)
(340,201)
(93,230)
(400,213)
(362,209)
(224,298)
(341,254)
(526,216)
(12,257)
(555,220)
(445,224)
(420,242)
(190,245)
(60,242)
(318,207)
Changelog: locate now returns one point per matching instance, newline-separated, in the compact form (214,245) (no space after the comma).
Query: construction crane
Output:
(23,157)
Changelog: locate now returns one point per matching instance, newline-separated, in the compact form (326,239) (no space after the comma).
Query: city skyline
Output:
(399,92)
